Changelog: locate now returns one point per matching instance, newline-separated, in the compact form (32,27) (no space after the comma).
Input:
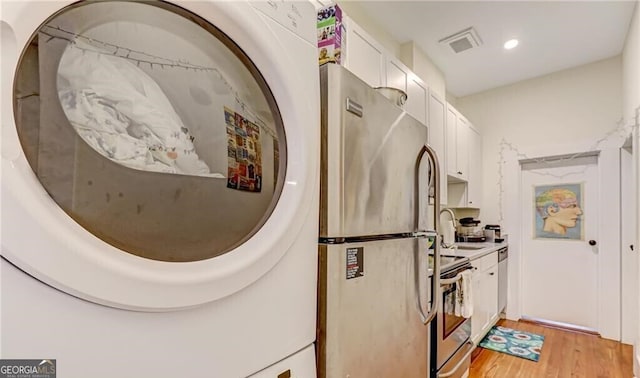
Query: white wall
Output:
(554,113)
(565,112)
(631,67)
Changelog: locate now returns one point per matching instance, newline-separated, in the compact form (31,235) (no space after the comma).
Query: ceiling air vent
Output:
(462,40)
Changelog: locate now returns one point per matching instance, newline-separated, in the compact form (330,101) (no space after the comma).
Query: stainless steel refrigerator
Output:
(377,178)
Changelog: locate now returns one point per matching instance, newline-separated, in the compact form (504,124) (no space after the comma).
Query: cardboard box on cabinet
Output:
(330,35)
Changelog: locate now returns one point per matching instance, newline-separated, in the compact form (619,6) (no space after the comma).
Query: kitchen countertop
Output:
(480,249)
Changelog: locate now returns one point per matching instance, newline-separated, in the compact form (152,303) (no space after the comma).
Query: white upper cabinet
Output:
(368,60)
(452,141)
(417,92)
(437,137)
(474,185)
(457,145)
(464,161)
(400,77)
(364,56)
(396,74)
(462,144)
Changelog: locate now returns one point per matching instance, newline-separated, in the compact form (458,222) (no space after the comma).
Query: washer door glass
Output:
(150,128)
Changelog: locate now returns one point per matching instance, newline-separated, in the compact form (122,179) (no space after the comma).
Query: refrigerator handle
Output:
(434,182)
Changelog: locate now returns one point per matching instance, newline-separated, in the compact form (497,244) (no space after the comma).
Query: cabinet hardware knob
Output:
(592,242)
(459,172)
(492,273)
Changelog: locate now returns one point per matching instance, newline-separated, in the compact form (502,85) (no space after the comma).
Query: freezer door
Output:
(369,323)
(369,151)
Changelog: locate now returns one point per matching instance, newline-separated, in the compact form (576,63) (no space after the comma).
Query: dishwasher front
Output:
(503,272)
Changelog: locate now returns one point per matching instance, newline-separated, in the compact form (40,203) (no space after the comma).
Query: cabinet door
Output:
(417,93)
(457,145)
(478,320)
(396,74)
(462,152)
(400,76)
(452,146)
(491,296)
(474,185)
(364,55)
(438,138)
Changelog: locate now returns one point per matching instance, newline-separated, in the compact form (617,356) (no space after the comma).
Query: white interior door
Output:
(559,219)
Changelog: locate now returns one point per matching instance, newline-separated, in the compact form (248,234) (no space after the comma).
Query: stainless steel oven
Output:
(452,332)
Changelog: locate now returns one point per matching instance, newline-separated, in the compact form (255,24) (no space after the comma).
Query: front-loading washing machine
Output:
(160,187)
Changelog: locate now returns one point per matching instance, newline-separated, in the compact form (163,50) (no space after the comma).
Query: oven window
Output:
(450,321)
(150,128)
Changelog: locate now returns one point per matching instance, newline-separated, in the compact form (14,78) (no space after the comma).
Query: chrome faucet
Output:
(453,216)
(453,220)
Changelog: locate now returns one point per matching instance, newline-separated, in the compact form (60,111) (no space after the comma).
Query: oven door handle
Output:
(449,281)
(462,360)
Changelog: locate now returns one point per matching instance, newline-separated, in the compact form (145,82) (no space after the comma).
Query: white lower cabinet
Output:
(485,295)
(491,279)
(478,319)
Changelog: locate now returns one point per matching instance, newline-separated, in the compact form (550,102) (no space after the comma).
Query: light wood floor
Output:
(564,354)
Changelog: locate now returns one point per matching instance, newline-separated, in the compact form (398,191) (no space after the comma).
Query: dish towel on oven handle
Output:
(464,295)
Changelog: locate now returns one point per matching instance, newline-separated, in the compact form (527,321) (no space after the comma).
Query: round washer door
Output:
(160,155)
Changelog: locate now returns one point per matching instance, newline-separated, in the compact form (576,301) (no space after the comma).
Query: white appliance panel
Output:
(102,312)
(76,254)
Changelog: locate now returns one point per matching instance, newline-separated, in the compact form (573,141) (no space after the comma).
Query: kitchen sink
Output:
(471,247)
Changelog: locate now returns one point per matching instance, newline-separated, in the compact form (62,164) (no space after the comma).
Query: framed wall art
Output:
(558,211)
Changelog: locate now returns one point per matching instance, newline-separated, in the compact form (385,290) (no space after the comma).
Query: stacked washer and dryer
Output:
(160,187)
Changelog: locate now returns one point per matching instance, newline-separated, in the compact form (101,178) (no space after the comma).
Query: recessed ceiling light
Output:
(511,44)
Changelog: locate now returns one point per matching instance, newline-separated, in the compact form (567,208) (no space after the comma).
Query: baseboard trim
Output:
(561,326)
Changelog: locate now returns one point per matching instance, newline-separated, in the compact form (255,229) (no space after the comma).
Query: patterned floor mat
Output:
(516,343)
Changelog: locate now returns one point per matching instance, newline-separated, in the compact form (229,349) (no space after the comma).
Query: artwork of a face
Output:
(558,211)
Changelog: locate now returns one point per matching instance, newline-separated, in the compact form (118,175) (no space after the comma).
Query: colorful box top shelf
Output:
(330,34)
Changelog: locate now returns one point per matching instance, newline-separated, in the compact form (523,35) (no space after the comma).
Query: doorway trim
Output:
(635,148)
(608,276)
(628,270)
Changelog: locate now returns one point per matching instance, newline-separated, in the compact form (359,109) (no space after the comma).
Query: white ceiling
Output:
(553,36)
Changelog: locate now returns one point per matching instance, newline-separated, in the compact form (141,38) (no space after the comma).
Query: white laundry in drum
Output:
(122,113)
